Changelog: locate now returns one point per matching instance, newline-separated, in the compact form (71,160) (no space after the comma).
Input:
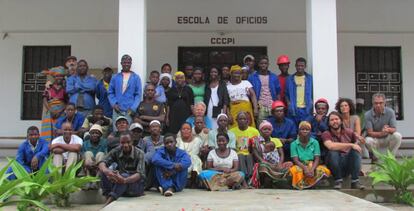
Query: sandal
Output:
(161,190)
(168,193)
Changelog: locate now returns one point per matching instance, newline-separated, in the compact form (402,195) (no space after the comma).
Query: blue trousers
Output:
(12,176)
(176,181)
(342,165)
(117,190)
(301,115)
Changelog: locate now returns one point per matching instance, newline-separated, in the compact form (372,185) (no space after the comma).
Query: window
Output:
(36,59)
(378,69)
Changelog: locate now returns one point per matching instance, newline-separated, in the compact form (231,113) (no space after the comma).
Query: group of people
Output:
(229,127)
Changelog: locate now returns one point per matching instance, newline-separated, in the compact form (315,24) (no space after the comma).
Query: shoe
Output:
(357,185)
(338,185)
(168,193)
(161,190)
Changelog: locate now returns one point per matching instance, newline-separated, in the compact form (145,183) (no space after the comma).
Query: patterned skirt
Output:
(300,181)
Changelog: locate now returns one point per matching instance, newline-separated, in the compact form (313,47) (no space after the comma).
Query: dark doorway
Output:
(378,69)
(207,57)
(36,59)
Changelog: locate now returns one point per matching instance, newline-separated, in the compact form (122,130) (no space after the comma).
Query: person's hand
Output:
(178,167)
(205,130)
(117,108)
(99,122)
(167,174)
(307,172)
(256,112)
(318,117)
(230,120)
(48,84)
(226,170)
(361,139)
(357,148)
(35,163)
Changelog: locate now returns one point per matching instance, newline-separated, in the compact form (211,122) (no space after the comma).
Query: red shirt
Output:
(346,136)
(282,82)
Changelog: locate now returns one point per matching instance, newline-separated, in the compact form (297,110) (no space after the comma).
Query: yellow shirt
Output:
(242,139)
(300,91)
(277,142)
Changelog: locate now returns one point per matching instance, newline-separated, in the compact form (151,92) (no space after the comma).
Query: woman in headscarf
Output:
(268,154)
(54,101)
(180,100)
(242,97)
(305,153)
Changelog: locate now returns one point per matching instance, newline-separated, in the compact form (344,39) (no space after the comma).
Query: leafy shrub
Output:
(399,174)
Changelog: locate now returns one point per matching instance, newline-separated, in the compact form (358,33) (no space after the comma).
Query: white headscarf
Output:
(166,75)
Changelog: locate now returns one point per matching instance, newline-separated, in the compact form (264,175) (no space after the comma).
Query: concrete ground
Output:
(263,199)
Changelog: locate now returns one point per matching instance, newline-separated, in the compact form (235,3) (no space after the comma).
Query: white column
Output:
(132,35)
(321,33)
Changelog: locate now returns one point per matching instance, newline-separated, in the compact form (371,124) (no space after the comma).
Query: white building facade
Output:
(330,34)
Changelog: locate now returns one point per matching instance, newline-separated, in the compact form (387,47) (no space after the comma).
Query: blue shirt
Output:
(102,146)
(25,153)
(131,98)
(286,129)
(102,95)
(318,127)
(76,86)
(162,159)
(291,94)
(160,92)
(147,147)
(77,122)
(274,85)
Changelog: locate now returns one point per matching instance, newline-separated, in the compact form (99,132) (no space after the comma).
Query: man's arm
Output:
(43,152)
(68,147)
(158,160)
(335,146)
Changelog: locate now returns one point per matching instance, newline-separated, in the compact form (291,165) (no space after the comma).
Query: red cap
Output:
(283,59)
(322,100)
(278,103)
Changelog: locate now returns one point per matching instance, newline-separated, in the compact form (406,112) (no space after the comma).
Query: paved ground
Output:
(264,199)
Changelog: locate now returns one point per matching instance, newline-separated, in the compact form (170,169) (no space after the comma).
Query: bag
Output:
(216,111)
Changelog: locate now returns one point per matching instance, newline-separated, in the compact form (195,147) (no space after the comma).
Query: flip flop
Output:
(161,190)
(168,193)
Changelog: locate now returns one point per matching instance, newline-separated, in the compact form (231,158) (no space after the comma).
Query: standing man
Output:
(125,90)
(266,86)
(123,171)
(32,153)
(102,91)
(71,64)
(344,152)
(381,127)
(299,93)
(81,89)
(283,63)
(249,62)
(171,164)
(66,148)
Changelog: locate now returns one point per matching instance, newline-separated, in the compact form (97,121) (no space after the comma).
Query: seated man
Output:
(97,117)
(381,127)
(32,153)
(199,110)
(344,153)
(155,137)
(94,149)
(283,128)
(66,148)
(123,171)
(171,166)
(145,145)
(72,116)
(122,125)
(319,123)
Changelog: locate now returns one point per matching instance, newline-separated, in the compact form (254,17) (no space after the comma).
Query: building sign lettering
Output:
(222,20)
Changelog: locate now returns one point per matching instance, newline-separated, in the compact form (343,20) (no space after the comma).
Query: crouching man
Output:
(171,166)
(123,171)
(66,148)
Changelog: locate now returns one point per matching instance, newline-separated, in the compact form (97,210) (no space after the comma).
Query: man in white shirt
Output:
(66,148)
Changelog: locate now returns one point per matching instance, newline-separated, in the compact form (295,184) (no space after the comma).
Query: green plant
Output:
(67,183)
(9,189)
(399,174)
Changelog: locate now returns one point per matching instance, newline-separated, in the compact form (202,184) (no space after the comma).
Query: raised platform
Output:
(263,199)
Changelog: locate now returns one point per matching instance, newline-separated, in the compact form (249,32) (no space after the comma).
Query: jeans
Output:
(342,165)
(116,190)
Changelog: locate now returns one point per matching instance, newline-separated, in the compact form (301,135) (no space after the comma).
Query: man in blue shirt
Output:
(32,153)
(125,90)
(73,117)
(171,164)
(283,128)
(81,89)
(102,91)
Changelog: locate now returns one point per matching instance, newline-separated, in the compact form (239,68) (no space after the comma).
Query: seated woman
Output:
(191,144)
(305,153)
(269,157)
(223,123)
(222,167)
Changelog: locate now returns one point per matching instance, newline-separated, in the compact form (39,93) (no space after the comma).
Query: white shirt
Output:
(73,140)
(240,91)
(222,162)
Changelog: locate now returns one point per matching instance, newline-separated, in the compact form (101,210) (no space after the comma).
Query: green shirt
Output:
(102,146)
(305,154)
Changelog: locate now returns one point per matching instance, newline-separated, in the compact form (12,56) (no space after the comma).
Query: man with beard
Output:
(123,171)
(102,91)
(171,166)
(344,155)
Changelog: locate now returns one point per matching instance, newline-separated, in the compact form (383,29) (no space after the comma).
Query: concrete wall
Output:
(90,27)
